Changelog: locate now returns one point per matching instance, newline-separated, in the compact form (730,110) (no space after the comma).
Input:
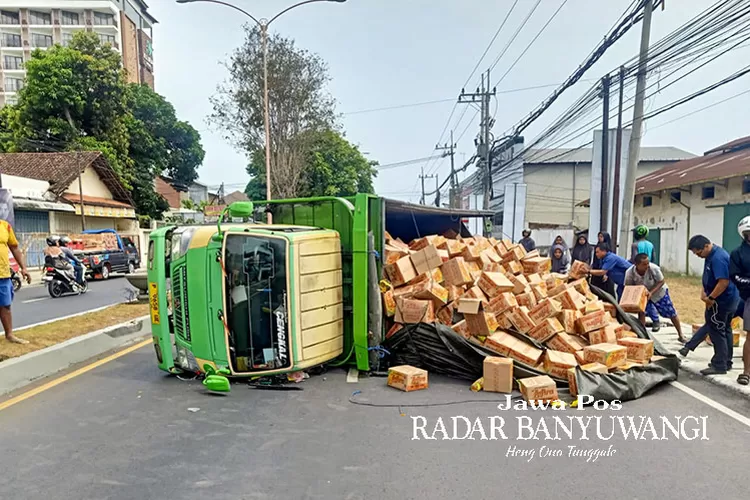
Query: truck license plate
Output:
(153,299)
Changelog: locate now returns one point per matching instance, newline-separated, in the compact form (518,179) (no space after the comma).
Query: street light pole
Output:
(263,25)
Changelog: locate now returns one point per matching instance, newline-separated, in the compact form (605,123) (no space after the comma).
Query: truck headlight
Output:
(181,241)
(186,360)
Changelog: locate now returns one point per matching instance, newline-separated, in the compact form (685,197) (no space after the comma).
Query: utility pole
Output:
(618,162)
(634,150)
(604,214)
(422,178)
(450,150)
(437,191)
(482,96)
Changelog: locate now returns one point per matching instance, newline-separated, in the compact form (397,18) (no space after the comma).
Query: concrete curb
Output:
(18,372)
(728,381)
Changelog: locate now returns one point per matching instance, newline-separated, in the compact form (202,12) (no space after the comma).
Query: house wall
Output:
(672,218)
(555,188)
(67,223)
(92,185)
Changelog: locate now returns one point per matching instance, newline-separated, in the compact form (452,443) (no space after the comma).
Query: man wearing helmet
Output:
(74,261)
(641,244)
(739,270)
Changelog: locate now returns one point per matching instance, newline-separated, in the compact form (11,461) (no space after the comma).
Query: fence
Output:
(32,245)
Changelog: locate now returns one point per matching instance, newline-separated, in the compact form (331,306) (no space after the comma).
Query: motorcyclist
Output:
(74,261)
(53,250)
(739,270)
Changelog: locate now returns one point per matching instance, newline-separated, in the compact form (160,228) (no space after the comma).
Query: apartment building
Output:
(27,25)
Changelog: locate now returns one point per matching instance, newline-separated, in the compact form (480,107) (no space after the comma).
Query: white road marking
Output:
(713,404)
(34,300)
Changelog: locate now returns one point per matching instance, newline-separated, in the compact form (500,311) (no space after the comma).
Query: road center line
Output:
(30,301)
(49,385)
(710,402)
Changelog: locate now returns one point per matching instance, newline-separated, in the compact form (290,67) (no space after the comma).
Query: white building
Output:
(706,195)
(27,25)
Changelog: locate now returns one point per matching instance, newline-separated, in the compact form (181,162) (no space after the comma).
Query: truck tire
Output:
(106,271)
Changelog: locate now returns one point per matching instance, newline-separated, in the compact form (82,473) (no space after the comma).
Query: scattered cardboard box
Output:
(498,374)
(634,299)
(591,367)
(545,330)
(639,350)
(557,364)
(610,355)
(538,389)
(401,272)
(407,378)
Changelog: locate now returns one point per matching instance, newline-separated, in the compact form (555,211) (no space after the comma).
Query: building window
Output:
(7,17)
(66,39)
(71,18)
(648,201)
(11,40)
(36,17)
(746,186)
(39,40)
(13,84)
(101,19)
(675,196)
(11,100)
(708,193)
(107,39)
(13,62)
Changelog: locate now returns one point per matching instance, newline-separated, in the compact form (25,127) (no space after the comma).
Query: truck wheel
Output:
(131,267)
(106,271)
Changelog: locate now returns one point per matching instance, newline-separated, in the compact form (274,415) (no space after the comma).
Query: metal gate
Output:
(654,236)
(31,230)
(732,216)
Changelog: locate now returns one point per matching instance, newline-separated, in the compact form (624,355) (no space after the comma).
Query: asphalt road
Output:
(32,304)
(125,430)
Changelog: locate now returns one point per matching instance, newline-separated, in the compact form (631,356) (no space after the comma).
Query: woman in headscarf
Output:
(559,240)
(582,251)
(560,260)
(598,281)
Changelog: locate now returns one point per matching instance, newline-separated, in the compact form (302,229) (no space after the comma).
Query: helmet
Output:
(52,240)
(743,226)
(65,241)
(641,231)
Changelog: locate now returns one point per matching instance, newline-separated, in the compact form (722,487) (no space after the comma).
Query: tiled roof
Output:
(61,169)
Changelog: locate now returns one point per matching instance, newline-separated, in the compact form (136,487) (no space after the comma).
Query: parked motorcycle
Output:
(62,281)
(14,277)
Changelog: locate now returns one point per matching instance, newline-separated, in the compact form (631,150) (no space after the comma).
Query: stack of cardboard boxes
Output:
(497,295)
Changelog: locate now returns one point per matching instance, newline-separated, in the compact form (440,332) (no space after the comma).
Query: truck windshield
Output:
(256,302)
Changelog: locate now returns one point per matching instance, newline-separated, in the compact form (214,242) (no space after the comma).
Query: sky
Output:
(384,53)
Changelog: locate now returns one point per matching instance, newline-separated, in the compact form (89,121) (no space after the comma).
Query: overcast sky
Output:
(385,53)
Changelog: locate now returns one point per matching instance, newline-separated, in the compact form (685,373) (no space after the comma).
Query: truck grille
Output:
(179,303)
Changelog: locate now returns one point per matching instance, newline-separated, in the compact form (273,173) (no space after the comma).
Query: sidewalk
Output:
(699,359)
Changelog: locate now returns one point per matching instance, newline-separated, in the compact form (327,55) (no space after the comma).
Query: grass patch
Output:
(686,295)
(56,332)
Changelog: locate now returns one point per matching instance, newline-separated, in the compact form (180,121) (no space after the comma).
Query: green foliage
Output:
(77,98)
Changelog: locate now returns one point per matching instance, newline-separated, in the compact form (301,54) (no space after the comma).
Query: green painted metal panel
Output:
(732,216)
(654,236)
(158,296)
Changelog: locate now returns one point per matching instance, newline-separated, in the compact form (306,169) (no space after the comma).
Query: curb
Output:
(19,372)
(726,381)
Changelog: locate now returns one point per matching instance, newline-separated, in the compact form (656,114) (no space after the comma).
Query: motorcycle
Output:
(14,277)
(61,281)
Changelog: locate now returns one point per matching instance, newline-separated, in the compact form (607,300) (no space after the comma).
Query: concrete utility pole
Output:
(482,96)
(450,150)
(423,177)
(604,215)
(634,151)
(618,164)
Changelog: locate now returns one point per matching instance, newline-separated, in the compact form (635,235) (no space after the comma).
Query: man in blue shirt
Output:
(613,268)
(641,244)
(721,298)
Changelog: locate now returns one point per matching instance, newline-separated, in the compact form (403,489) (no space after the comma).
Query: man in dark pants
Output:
(739,268)
(721,298)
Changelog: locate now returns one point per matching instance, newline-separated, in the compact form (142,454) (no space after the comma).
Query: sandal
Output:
(743,379)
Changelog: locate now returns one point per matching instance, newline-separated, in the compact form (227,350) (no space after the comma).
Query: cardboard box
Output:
(462,328)
(590,367)
(420,243)
(407,378)
(545,330)
(521,319)
(606,335)
(557,364)
(568,319)
(639,350)
(508,345)
(566,343)
(434,292)
(545,309)
(579,270)
(503,319)
(473,266)
(527,300)
(454,248)
(514,267)
(490,255)
(498,374)
(494,268)
(500,342)
(593,307)
(445,314)
(581,286)
(411,311)
(401,272)
(482,324)
(471,253)
(476,293)
(389,304)
(537,265)
(399,244)
(454,292)
(444,256)
(531,255)
(520,284)
(393,330)
(468,305)
(451,234)
(538,389)
(456,273)
(426,259)
(556,290)
(437,275)
(515,252)
(593,321)
(493,284)
(540,291)
(634,299)
(580,357)
(610,355)
(627,365)
(736,324)
(572,300)
(392,254)
(501,303)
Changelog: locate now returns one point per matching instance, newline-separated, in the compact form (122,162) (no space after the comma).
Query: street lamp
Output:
(263,25)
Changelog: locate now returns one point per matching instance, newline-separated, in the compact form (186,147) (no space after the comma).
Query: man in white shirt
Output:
(649,275)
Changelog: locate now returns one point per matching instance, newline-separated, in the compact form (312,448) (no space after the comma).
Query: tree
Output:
(300,106)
